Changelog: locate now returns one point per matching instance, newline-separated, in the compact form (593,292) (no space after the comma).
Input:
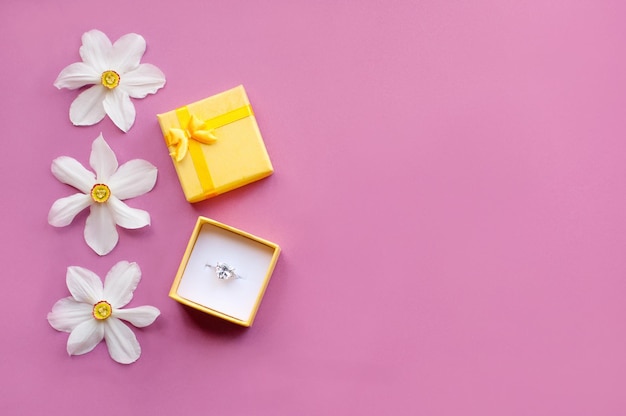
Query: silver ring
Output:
(224,271)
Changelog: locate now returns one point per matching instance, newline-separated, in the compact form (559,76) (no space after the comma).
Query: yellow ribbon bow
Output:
(178,139)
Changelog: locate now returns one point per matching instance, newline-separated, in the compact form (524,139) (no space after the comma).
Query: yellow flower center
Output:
(110,79)
(100,193)
(102,310)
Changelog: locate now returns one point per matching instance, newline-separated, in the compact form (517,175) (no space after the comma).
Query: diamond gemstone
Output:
(224,271)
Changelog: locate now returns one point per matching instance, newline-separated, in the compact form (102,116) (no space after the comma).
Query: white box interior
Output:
(233,297)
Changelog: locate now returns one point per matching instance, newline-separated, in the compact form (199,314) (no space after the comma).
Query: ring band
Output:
(224,271)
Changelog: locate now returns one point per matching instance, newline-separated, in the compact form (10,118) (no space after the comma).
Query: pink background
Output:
(449,195)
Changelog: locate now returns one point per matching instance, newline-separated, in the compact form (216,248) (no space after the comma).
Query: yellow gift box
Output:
(215,144)
(198,285)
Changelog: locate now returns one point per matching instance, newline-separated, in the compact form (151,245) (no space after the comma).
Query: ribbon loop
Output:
(196,129)
(177,143)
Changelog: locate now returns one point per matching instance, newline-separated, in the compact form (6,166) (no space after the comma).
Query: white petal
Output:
(121,341)
(127,52)
(77,75)
(146,79)
(127,217)
(140,316)
(120,109)
(69,171)
(102,159)
(121,282)
(135,177)
(67,314)
(100,233)
(87,108)
(84,285)
(95,50)
(65,209)
(85,337)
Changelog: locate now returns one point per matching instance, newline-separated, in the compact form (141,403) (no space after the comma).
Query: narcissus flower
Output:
(103,193)
(94,312)
(116,74)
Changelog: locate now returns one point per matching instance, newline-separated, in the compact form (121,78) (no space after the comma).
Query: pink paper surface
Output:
(449,196)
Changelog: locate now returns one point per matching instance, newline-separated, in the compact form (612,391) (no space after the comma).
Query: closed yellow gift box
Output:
(215,144)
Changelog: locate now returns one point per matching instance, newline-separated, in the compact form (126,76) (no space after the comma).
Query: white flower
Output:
(93,312)
(116,74)
(103,192)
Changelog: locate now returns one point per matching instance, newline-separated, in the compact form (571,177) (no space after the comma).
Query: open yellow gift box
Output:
(215,144)
(250,261)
